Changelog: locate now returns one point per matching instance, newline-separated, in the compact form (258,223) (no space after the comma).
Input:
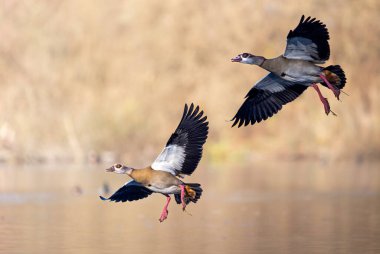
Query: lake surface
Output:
(307,207)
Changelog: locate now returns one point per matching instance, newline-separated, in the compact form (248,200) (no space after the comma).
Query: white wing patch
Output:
(170,159)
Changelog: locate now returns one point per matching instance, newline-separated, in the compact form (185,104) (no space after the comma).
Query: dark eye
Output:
(118,166)
(245,55)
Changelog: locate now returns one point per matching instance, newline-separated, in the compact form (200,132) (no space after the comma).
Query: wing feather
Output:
(184,148)
(308,41)
(265,99)
(131,191)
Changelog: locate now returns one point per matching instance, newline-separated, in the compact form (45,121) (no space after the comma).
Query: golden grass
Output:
(84,77)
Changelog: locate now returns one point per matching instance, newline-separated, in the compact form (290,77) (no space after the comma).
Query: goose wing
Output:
(308,41)
(184,149)
(265,99)
(130,191)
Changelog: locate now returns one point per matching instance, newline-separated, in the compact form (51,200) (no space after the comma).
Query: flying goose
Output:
(291,73)
(180,157)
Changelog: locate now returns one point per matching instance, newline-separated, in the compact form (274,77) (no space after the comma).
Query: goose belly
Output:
(302,80)
(165,190)
(302,74)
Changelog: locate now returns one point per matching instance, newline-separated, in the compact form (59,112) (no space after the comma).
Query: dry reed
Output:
(79,78)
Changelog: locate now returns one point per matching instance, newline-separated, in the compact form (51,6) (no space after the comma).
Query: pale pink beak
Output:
(111,169)
(236,59)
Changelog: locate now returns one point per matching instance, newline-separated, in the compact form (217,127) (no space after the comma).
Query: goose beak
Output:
(111,169)
(236,59)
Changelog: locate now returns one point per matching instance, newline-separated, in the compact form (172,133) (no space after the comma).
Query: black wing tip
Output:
(309,19)
(234,123)
(103,198)
(313,22)
(193,112)
(239,122)
(191,108)
(236,120)
(302,18)
(195,124)
(256,109)
(315,30)
(185,110)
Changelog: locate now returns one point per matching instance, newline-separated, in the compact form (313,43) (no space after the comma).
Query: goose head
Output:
(248,58)
(120,169)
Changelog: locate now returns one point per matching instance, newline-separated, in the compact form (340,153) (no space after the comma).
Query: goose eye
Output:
(245,55)
(118,166)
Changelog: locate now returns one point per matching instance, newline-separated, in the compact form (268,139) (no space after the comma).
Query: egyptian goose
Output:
(291,73)
(180,157)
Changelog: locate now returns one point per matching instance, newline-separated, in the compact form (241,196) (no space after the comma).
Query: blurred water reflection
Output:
(299,208)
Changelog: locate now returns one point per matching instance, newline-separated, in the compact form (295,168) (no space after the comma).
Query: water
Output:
(305,207)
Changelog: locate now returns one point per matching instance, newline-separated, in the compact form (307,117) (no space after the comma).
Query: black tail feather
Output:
(335,75)
(198,193)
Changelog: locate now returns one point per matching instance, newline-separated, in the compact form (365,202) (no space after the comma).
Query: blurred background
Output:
(85,84)
(84,78)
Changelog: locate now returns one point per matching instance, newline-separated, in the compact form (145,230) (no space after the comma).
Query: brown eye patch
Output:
(118,166)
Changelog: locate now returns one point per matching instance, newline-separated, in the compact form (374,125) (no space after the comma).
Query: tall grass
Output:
(79,78)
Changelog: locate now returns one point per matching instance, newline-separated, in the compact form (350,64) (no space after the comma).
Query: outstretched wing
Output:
(131,191)
(265,99)
(184,149)
(308,41)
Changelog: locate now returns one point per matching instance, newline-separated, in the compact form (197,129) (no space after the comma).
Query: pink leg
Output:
(335,90)
(183,197)
(165,211)
(323,100)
